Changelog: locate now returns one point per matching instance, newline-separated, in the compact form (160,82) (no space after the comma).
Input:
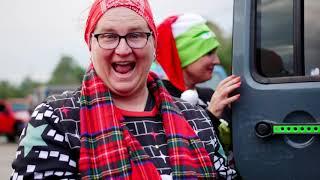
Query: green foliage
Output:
(27,85)
(225,49)
(66,72)
(7,90)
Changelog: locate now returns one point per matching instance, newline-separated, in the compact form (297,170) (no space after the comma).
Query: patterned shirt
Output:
(50,144)
(147,128)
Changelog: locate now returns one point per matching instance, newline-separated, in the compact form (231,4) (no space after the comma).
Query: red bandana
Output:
(99,7)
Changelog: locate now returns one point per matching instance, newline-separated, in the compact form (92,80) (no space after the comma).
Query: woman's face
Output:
(201,70)
(123,70)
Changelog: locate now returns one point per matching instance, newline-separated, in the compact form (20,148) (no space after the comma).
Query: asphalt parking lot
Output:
(7,154)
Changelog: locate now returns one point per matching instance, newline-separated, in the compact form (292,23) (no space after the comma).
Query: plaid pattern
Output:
(109,150)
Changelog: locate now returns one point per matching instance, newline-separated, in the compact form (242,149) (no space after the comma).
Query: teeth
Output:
(123,63)
(123,67)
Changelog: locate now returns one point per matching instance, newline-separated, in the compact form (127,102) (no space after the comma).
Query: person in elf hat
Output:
(122,123)
(187,52)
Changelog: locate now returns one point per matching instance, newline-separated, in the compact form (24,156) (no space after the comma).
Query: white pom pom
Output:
(190,96)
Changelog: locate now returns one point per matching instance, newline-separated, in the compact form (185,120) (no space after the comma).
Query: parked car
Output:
(13,118)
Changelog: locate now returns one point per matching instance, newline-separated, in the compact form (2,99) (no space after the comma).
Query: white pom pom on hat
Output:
(190,96)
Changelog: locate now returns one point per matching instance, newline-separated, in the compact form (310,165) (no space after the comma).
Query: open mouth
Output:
(123,67)
(210,68)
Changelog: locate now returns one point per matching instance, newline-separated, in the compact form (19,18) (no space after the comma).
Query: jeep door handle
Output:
(267,128)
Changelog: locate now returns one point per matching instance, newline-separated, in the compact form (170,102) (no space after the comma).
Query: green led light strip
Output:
(296,129)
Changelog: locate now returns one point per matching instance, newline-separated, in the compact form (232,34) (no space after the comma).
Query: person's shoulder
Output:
(195,115)
(183,105)
(67,98)
(58,107)
(190,111)
(205,94)
(60,111)
(205,91)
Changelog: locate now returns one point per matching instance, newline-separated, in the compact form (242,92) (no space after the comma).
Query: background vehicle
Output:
(276,122)
(13,118)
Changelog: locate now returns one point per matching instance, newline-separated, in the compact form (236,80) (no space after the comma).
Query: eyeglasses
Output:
(135,40)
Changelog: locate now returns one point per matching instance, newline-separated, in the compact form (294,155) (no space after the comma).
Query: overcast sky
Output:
(36,33)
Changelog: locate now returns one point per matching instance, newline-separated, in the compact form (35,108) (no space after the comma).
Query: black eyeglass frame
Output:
(148,34)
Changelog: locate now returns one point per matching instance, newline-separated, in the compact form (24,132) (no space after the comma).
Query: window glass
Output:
(311,36)
(275,38)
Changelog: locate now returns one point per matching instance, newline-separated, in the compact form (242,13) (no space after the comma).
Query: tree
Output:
(7,90)
(27,86)
(67,72)
(225,49)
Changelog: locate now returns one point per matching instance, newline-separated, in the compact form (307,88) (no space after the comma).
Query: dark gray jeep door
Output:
(275,124)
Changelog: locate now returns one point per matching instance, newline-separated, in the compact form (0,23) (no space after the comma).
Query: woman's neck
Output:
(189,83)
(134,102)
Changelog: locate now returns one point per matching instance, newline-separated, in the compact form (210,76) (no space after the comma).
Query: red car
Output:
(13,118)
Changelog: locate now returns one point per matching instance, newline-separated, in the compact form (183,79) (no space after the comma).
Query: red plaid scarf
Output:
(108,150)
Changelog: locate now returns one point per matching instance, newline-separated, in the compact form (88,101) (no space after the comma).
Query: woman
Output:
(187,52)
(122,123)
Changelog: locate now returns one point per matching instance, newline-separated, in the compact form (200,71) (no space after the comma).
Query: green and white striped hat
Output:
(181,41)
(193,38)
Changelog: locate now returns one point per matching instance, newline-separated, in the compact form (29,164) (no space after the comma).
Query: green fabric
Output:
(224,135)
(195,43)
(33,138)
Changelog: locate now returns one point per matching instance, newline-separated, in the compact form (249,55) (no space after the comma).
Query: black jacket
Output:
(50,144)
(205,95)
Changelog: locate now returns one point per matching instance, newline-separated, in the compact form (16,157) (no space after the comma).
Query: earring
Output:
(154,55)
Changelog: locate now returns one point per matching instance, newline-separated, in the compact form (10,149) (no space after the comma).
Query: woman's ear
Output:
(90,44)
(154,43)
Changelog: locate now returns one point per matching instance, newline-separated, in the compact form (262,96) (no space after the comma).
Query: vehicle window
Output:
(311,36)
(286,38)
(274,38)
(19,107)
